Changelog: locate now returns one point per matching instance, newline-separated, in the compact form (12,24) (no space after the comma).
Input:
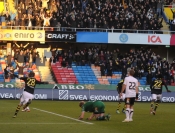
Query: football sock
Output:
(152,105)
(124,107)
(17,109)
(127,112)
(156,106)
(118,107)
(27,104)
(131,113)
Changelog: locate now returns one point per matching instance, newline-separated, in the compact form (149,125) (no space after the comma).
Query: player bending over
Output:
(28,93)
(156,91)
(119,89)
(130,86)
(96,108)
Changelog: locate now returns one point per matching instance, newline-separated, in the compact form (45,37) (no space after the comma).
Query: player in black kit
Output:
(120,99)
(28,93)
(156,91)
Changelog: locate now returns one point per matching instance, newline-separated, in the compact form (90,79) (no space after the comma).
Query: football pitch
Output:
(61,117)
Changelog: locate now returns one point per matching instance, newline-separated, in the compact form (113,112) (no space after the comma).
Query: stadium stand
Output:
(104,14)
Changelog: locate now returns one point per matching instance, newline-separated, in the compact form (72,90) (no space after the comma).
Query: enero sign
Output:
(22,35)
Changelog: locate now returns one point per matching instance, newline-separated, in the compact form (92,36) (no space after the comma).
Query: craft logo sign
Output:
(60,36)
(22,35)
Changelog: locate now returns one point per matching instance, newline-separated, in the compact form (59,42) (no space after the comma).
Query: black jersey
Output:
(156,86)
(30,83)
(119,86)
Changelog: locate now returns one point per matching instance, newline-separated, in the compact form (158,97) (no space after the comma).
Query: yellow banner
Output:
(1,7)
(22,35)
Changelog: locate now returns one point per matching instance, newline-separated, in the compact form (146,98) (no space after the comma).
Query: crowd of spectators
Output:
(20,58)
(145,62)
(105,14)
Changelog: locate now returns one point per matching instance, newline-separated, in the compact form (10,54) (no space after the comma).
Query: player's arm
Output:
(137,90)
(17,45)
(26,45)
(92,116)
(40,82)
(82,115)
(123,89)
(152,84)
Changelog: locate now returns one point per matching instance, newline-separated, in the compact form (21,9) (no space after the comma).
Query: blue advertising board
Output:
(77,95)
(92,37)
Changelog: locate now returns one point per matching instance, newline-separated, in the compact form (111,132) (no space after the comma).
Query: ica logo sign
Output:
(154,39)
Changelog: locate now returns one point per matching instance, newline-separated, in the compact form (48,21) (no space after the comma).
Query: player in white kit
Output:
(130,86)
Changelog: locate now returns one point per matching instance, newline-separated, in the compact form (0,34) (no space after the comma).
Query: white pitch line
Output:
(62,116)
(38,123)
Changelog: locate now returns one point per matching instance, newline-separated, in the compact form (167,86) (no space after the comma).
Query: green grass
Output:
(42,122)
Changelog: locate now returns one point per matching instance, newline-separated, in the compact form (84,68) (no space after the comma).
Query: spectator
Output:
(102,69)
(149,78)
(9,58)
(63,63)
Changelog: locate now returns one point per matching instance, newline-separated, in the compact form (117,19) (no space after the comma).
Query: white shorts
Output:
(123,97)
(156,96)
(25,97)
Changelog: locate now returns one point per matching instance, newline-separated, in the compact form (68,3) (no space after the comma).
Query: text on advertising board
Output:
(22,35)
(154,39)
(60,36)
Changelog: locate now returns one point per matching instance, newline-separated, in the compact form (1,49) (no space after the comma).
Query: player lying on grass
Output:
(156,91)
(97,108)
(119,89)
(28,93)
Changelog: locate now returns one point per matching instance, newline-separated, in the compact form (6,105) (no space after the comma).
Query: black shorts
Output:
(130,101)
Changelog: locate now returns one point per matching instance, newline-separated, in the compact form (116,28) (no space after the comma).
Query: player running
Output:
(119,89)
(130,85)
(156,91)
(28,93)
(96,107)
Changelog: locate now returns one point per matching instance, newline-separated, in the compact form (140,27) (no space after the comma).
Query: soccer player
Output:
(156,91)
(130,86)
(119,89)
(28,93)
(97,108)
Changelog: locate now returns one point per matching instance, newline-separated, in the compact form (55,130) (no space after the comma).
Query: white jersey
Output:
(131,84)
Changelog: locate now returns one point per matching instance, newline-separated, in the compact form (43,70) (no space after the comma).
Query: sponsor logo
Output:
(154,39)
(22,35)
(123,38)
(63,95)
(7,35)
(61,36)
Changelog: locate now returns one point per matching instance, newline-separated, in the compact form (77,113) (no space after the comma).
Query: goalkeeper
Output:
(97,108)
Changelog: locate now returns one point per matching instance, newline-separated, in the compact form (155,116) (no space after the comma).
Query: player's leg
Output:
(28,99)
(22,100)
(124,107)
(154,97)
(118,106)
(27,103)
(157,103)
(131,109)
(127,112)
